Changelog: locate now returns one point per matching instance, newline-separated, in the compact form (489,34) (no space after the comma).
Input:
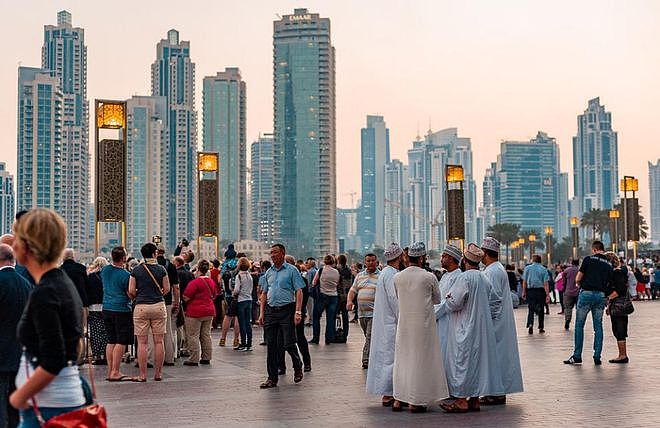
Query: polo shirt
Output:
(535,275)
(115,289)
(280,285)
(597,273)
(364,286)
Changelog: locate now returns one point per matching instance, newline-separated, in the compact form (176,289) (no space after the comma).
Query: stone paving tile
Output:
(227,393)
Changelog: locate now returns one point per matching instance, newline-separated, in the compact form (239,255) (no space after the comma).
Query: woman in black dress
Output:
(618,291)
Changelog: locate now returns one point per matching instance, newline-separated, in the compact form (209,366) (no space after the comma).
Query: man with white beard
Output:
(501,311)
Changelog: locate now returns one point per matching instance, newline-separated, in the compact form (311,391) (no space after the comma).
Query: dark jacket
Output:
(94,289)
(78,275)
(14,293)
(51,325)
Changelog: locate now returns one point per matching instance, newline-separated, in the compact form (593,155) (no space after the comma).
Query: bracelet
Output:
(298,312)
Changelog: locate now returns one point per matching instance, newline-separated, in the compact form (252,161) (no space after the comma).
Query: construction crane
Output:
(352,195)
(436,222)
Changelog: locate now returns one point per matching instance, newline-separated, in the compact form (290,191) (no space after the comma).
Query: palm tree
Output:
(506,233)
(594,220)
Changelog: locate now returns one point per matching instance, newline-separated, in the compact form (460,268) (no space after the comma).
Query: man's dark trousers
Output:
(535,304)
(280,320)
(8,415)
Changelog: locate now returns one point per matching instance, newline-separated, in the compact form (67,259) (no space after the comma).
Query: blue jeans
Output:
(593,301)
(328,304)
(29,419)
(244,318)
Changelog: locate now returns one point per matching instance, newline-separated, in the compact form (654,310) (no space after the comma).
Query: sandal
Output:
(158,378)
(122,378)
(453,407)
(388,402)
(473,404)
(493,400)
(137,379)
(418,409)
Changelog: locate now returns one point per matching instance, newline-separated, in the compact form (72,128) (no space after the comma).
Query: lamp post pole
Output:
(548,244)
(532,241)
(575,235)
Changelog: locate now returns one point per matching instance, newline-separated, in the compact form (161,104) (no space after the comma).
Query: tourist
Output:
(504,323)
(184,276)
(281,311)
(172,303)
(327,280)
(50,328)
(655,284)
(147,286)
(228,273)
(243,296)
(14,293)
(559,285)
(571,291)
(617,296)
(418,375)
(95,325)
(345,283)
(117,317)
(535,292)
(474,370)
(364,288)
(593,278)
(77,272)
(301,340)
(310,264)
(199,296)
(383,328)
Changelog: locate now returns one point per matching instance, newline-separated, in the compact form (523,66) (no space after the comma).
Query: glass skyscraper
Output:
(375,145)
(261,189)
(173,77)
(595,160)
(224,113)
(654,200)
(396,220)
(64,56)
(304,120)
(7,208)
(39,140)
(147,136)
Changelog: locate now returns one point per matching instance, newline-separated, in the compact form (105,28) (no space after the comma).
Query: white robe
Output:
(383,334)
(446,282)
(473,370)
(504,324)
(419,374)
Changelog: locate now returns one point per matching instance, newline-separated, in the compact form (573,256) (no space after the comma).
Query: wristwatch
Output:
(298,313)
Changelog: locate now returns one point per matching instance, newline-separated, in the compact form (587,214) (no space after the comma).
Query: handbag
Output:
(92,415)
(622,306)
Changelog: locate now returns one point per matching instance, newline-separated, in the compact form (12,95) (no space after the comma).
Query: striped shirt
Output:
(365,287)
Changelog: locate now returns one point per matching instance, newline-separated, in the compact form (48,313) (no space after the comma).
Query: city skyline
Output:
(629,99)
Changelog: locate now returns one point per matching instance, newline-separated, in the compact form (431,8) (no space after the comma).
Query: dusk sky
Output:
(496,70)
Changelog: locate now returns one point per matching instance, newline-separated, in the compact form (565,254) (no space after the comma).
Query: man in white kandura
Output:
(501,312)
(419,374)
(383,328)
(450,259)
(473,371)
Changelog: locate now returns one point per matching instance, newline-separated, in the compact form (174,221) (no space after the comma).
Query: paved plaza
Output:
(227,393)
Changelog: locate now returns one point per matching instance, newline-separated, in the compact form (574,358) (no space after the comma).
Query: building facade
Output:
(7,206)
(39,140)
(173,77)
(304,120)
(654,200)
(261,189)
(375,154)
(64,56)
(224,114)
(595,161)
(347,227)
(396,218)
(147,137)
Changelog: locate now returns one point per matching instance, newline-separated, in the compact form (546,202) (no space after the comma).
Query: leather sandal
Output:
(387,402)
(453,407)
(268,384)
(418,409)
(492,400)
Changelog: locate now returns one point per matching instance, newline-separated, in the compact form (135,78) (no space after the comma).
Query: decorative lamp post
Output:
(548,244)
(630,214)
(575,235)
(455,205)
(209,191)
(614,217)
(521,251)
(532,240)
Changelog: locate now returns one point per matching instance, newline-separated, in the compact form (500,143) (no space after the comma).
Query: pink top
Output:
(201,291)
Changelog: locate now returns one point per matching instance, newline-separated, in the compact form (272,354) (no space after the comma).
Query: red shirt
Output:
(201,292)
(215,275)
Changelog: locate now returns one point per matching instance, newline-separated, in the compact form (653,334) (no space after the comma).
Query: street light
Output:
(614,217)
(548,244)
(521,251)
(532,240)
(630,214)
(455,205)
(575,235)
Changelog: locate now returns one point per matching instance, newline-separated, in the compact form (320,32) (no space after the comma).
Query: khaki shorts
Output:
(152,316)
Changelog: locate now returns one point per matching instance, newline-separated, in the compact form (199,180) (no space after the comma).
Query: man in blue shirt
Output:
(281,310)
(535,291)
(655,282)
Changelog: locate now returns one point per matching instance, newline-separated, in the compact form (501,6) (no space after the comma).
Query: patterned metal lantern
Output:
(455,203)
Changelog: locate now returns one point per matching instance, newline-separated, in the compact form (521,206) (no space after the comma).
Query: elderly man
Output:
(504,324)
(383,327)
(473,370)
(449,260)
(364,287)
(8,239)
(77,272)
(14,292)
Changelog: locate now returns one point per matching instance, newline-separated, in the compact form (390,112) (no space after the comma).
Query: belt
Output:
(281,308)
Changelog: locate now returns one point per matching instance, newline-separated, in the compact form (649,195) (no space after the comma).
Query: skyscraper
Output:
(375,144)
(39,140)
(261,189)
(224,113)
(396,227)
(304,165)
(7,208)
(64,56)
(654,200)
(595,160)
(173,77)
(147,137)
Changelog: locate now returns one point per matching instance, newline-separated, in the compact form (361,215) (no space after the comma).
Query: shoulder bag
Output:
(622,306)
(162,293)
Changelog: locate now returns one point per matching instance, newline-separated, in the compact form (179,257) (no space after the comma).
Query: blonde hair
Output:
(243,263)
(613,259)
(43,232)
(98,264)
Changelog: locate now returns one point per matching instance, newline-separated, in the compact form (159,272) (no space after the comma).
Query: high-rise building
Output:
(564,214)
(173,77)
(491,196)
(147,137)
(375,144)
(261,189)
(7,208)
(347,237)
(224,111)
(64,56)
(595,160)
(529,181)
(39,140)
(654,200)
(305,167)
(396,190)
(426,166)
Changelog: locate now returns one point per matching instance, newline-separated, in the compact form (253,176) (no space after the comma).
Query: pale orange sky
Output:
(495,69)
